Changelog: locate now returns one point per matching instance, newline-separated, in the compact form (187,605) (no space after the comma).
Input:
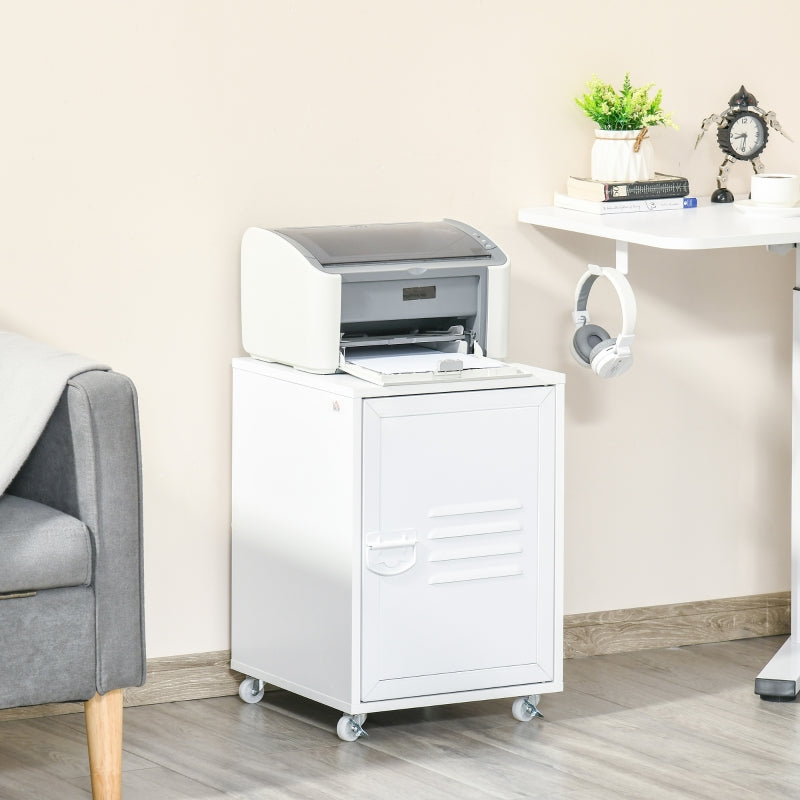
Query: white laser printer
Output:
(390,303)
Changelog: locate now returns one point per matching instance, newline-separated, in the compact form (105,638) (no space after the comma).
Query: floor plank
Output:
(680,722)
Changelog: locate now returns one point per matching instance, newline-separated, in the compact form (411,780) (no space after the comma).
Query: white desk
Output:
(704,228)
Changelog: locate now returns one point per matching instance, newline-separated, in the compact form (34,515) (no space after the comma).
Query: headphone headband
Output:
(622,288)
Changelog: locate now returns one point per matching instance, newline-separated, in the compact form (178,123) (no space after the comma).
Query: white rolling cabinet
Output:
(397,547)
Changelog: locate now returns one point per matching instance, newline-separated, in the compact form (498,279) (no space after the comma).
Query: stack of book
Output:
(662,193)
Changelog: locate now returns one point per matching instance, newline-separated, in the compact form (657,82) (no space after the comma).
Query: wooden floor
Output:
(675,723)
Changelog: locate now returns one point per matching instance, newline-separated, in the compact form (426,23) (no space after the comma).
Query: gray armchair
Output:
(71,610)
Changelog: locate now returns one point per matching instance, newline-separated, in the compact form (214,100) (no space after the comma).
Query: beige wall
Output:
(139,139)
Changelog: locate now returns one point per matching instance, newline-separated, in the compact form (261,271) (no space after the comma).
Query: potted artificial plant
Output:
(622,150)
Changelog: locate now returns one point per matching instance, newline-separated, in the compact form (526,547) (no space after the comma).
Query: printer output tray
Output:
(415,364)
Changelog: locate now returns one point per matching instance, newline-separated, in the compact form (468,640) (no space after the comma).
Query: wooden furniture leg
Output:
(104,733)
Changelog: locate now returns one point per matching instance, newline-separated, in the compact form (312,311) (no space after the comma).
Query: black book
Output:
(603,191)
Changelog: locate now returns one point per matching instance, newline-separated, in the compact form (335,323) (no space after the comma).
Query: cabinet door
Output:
(458,525)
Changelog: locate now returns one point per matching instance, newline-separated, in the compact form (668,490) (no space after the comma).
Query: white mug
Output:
(775,189)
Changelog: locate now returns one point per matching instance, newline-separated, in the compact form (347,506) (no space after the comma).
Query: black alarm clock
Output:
(742,134)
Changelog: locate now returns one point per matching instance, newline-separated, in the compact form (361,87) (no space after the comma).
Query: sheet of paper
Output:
(413,358)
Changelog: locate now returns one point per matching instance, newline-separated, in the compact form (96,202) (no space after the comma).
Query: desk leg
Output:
(780,679)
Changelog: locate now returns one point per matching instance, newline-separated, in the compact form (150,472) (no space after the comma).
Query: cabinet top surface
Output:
(349,386)
(706,227)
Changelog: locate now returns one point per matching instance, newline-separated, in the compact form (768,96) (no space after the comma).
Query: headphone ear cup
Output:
(607,362)
(599,348)
(586,339)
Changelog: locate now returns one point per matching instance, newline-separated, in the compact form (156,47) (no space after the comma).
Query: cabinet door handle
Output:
(391,556)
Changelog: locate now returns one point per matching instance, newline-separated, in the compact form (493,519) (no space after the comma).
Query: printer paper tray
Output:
(398,365)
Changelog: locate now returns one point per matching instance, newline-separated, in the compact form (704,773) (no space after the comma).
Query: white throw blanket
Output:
(32,379)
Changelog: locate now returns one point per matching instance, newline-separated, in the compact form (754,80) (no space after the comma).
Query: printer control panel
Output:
(487,244)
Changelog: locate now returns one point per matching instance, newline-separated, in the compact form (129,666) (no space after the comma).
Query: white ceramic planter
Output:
(615,157)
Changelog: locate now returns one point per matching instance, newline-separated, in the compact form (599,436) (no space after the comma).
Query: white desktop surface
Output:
(713,226)
(709,226)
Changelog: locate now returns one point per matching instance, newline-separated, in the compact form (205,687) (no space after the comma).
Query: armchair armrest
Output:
(87,463)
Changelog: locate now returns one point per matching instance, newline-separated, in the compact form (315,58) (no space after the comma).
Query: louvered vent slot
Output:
(475,548)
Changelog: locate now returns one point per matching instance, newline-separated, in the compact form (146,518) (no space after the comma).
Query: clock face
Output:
(744,137)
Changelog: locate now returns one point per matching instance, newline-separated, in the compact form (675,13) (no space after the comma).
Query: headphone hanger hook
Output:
(620,259)
(621,253)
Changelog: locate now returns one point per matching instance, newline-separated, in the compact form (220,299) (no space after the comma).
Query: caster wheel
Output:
(348,729)
(251,690)
(524,708)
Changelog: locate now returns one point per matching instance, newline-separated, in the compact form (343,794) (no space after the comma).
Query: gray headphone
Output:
(592,346)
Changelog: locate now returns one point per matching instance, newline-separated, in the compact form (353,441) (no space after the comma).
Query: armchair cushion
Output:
(42,548)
